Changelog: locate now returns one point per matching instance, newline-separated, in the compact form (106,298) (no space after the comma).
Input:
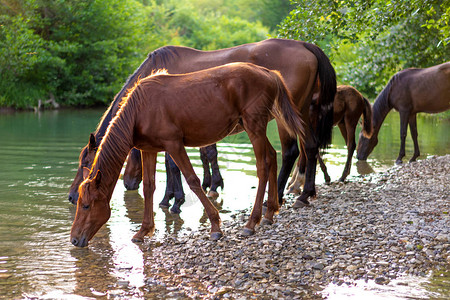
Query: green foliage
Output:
(369,41)
(81,51)
(210,31)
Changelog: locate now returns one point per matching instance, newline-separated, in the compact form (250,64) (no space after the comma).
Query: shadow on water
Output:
(38,157)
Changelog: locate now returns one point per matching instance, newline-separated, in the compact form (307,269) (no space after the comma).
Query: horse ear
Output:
(92,143)
(86,172)
(98,178)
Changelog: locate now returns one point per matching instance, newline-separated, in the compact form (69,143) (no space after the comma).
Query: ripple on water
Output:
(406,287)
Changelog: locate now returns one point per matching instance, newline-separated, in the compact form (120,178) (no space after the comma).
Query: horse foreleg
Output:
(413,130)
(404,116)
(206,173)
(265,166)
(217,180)
(348,132)
(181,158)
(294,176)
(298,179)
(149,170)
(174,186)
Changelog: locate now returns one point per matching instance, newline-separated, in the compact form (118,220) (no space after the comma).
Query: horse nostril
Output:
(126,186)
(74,241)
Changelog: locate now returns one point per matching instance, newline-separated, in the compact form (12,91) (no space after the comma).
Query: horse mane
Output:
(157,60)
(118,138)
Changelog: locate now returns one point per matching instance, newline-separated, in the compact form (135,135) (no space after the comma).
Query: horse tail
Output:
(324,104)
(285,111)
(367,118)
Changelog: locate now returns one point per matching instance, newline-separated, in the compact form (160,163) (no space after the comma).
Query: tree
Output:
(82,51)
(369,41)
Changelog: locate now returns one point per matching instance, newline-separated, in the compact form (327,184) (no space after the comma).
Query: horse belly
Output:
(210,132)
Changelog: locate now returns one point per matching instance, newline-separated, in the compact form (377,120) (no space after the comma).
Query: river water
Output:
(38,160)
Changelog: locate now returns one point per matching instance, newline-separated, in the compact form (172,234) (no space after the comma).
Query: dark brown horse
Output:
(409,92)
(306,70)
(349,106)
(169,112)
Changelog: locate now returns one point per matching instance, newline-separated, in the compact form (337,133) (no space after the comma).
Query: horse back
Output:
(422,90)
(297,65)
(203,107)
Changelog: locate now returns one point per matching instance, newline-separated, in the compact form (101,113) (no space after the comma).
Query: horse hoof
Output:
(175,210)
(137,240)
(266,221)
(215,236)
(212,195)
(247,231)
(164,205)
(294,191)
(264,209)
(300,204)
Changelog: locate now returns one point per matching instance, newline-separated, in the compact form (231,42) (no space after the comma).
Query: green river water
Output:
(38,160)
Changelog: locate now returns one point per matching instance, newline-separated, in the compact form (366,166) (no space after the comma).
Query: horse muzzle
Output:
(79,242)
(73,198)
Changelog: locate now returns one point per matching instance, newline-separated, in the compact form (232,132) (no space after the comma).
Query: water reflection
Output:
(406,287)
(363,167)
(174,223)
(38,156)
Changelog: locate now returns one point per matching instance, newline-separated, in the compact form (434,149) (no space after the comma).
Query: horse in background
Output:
(349,106)
(306,69)
(409,92)
(222,100)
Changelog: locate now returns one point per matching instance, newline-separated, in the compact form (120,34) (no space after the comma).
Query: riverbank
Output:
(375,228)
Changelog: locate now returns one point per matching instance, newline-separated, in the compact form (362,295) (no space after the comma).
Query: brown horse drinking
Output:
(169,112)
(305,68)
(349,105)
(409,92)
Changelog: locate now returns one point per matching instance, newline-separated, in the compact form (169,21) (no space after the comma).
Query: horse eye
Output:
(85,207)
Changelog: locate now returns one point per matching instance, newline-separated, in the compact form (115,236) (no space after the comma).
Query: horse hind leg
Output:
(323,167)
(206,171)
(290,152)
(348,132)
(178,153)
(266,167)
(309,188)
(414,135)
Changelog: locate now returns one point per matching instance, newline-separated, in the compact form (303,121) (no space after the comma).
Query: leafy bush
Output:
(369,41)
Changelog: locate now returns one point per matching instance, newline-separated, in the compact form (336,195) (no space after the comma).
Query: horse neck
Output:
(114,149)
(381,108)
(152,62)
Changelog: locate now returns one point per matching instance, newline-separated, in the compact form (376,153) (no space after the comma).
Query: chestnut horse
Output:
(306,69)
(349,105)
(168,112)
(409,92)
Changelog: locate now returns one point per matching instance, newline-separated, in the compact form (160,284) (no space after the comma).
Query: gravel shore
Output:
(375,227)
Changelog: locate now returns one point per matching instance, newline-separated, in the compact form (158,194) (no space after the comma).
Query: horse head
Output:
(93,211)
(132,176)
(86,159)
(366,146)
